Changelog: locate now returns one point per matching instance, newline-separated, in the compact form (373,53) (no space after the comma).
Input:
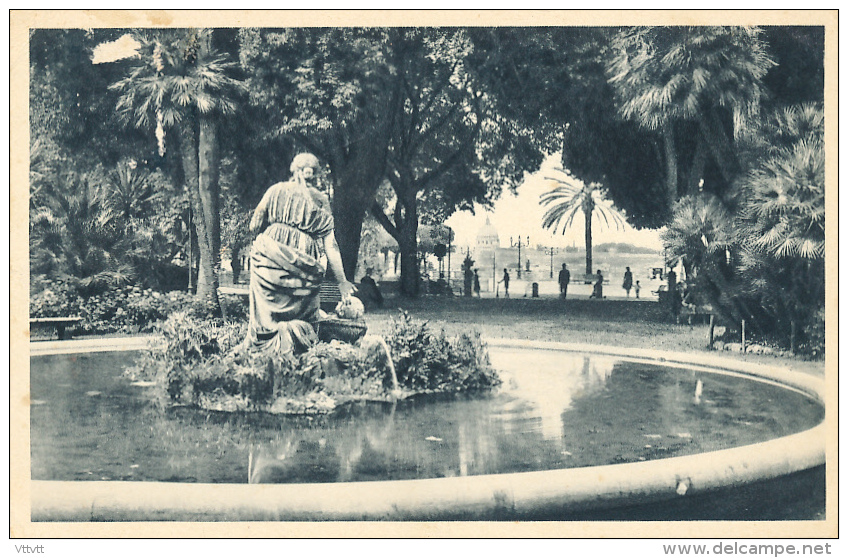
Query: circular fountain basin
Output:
(548,444)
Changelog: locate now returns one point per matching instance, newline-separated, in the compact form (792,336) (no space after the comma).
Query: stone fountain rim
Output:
(507,494)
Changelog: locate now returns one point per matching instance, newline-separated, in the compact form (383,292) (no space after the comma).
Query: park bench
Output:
(59,324)
(691,312)
(587,279)
(330,296)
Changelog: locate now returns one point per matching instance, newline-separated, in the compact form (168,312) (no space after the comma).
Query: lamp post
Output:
(551,251)
(450,249)
(494,270)
(518,243)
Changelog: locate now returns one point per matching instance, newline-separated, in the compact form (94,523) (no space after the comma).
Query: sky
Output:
(123,47)
(521,214)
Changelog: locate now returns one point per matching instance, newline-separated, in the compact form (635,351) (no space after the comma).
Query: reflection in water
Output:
(555,410)
(699,389)
(364,454)
(529,405)
(544,396)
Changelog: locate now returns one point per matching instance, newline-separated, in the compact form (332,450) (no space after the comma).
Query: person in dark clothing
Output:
(368,289)
(673,294)
(235,264)
(505,282)
(564,279)
(476,284)
(628,281)
(598,290)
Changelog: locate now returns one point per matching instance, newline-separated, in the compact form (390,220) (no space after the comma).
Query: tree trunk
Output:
(210,216)
(408,245)
(409,273)
(349,206)
(588,238)
(670,165)
(188,156)
(696,171)
(719,144)
(359,163)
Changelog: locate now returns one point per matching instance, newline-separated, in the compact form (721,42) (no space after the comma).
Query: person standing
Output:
(564,279)
(505,282)
(637,287)
(235,264)
(628,281)
(476,284)
(468,277)
(673,294)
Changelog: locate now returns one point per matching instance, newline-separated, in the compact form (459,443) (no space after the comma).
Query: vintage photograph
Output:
(553,273)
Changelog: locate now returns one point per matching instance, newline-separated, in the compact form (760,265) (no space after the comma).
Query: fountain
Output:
(545,446)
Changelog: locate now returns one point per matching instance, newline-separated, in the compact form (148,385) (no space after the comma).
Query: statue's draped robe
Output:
(285,267)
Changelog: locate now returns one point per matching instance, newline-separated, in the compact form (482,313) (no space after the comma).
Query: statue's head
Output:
(305,167)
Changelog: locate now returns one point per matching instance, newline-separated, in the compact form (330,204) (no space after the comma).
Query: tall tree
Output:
(180,82)
(331,91)
(704,81)
(559,78)
(782,217)
(554,81)
(450,146)
(69,102)
(571,197)
(384,103)
(759,254)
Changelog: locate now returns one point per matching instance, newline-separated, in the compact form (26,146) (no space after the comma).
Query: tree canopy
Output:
(443,117)
(649,112)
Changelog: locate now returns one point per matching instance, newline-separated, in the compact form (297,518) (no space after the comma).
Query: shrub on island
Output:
(201,363)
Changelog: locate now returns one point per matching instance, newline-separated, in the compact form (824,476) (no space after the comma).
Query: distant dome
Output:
(487,237)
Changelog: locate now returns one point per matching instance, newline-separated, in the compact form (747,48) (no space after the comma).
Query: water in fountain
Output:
(553,411)
(381,342)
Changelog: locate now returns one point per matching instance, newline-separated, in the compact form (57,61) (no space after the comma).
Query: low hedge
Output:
(122,309)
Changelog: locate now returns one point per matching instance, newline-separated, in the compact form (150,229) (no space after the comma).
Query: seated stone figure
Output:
(286,271)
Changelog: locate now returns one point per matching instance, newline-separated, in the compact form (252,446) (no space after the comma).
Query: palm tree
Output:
(130,194)
(782,217)
(571,196)
(761,257)
(179,82)
(709,77)
(701,235)
(72,233)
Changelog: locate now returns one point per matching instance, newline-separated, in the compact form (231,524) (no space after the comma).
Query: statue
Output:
(295,223)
